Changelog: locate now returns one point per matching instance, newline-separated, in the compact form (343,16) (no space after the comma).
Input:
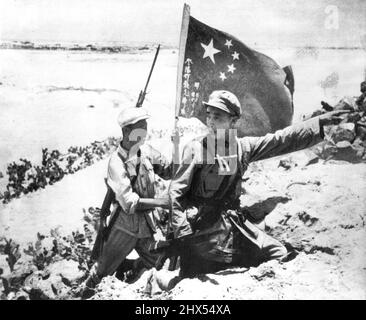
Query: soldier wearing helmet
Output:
(131,176)
(209,181)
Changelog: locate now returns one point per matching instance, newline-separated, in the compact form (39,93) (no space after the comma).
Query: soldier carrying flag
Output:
(209,178)
(241,105)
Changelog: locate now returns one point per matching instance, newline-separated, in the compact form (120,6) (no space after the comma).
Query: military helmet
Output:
(226,101)
(132,115)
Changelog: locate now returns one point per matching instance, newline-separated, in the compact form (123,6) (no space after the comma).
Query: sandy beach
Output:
(46,96)
(60,99)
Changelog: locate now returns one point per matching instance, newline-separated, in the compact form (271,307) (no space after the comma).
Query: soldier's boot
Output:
(162,280)
(88,287)
(135,274)
(126,266)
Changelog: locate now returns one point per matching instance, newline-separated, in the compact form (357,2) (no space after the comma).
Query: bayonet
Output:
(142,94)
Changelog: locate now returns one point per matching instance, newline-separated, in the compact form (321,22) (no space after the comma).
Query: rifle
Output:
(142,94)
(103,231)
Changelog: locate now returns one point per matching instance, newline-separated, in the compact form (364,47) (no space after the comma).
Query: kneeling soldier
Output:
(209,178)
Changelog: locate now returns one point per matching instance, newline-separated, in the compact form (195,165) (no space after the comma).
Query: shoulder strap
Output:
(134,178)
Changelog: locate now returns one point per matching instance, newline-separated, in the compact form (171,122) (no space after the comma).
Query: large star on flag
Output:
(218,61)
(210,51)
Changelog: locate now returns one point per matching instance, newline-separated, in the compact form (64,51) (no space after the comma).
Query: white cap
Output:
(132,115)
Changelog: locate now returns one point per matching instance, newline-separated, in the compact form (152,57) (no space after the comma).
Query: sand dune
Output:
(324,218)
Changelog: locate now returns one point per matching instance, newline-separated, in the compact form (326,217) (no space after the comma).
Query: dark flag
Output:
(210,59)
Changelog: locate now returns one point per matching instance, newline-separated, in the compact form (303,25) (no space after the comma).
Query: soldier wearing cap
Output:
(206,181)
(131,176)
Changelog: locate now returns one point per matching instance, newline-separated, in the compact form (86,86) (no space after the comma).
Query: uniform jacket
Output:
(197,182)
(121,173)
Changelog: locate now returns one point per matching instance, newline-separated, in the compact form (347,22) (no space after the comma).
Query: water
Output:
(46,96)
(43,104)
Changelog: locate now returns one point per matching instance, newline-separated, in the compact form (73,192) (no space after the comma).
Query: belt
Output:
(219,204)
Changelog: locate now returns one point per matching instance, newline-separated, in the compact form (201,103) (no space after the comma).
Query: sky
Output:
(260,22)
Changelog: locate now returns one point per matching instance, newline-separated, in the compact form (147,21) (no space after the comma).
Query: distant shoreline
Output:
(27,45)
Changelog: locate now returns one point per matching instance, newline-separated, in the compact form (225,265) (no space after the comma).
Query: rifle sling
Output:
(134,178)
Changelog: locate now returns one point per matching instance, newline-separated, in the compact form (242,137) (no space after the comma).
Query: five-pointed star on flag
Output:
(210,51)
(235,55)
(222,76)
(228,43)
(231,68)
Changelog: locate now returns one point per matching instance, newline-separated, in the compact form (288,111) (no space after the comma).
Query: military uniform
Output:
(197,183)
(132,229)
(131,176)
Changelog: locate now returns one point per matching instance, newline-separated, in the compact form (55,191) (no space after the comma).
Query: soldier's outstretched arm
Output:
(332,118)
(151,203)
(293,138)
(119,181)
(162,166)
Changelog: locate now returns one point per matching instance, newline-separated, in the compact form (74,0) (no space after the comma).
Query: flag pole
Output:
(176,154)
(181,54)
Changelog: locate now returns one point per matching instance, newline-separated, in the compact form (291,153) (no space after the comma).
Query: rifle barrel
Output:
(152,68)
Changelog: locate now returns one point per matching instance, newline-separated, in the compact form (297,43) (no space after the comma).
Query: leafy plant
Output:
(24,177)
(11,249)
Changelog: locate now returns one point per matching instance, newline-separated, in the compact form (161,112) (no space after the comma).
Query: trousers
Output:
(231,243)
(118,246)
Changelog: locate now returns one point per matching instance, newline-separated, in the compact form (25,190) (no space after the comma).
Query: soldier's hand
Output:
(164,202)
(333,117)
(175,136)
(232,213)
